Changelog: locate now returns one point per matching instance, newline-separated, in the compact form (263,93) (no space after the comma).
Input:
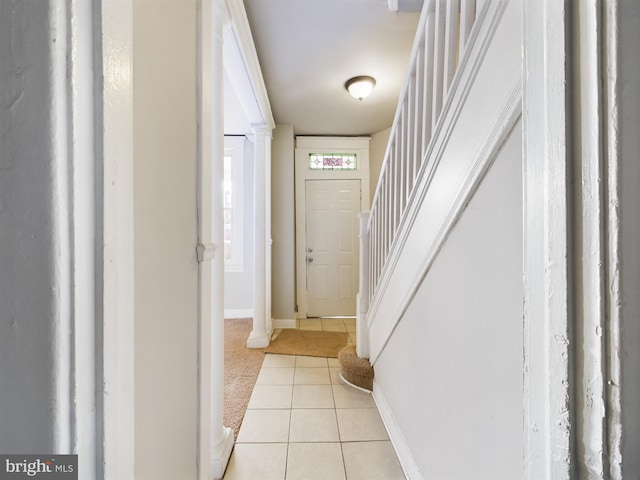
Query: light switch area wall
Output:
(629,179)
(30,287)
(165,230)
(283,223)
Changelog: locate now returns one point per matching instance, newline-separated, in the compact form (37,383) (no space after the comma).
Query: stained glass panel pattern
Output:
(333,161)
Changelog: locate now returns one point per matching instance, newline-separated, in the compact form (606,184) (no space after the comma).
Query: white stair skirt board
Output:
(408,464)
(284,323)
(238,313)
(347,382)
(408,260)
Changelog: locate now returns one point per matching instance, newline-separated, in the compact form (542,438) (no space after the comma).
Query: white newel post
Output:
(215,440)
(362,332)
(259,337)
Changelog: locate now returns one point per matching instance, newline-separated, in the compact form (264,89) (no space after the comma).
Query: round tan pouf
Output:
(354,369)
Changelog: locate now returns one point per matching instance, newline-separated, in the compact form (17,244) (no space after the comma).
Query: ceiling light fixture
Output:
(360,87)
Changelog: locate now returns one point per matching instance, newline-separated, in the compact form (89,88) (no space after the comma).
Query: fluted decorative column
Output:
(268,239)
(259,337)
(215,441)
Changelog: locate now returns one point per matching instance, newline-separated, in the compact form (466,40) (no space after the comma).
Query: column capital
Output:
(259,130)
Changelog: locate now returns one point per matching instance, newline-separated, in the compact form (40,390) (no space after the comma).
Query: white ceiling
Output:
(308,49)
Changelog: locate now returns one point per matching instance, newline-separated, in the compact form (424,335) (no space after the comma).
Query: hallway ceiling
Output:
(308,49)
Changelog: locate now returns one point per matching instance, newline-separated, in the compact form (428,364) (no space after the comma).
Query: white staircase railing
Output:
(441,39)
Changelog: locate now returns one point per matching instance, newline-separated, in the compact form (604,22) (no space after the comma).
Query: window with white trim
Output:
(233,204)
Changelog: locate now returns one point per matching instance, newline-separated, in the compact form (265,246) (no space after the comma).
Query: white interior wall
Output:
(166,269)
(629,180)
(283,223)
(452,372)
(30,287)
(377,149)
(238,286)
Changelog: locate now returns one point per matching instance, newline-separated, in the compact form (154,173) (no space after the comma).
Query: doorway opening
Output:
(331,190)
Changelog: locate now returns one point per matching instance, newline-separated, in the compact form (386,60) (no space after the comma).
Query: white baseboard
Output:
(409,466)
(258,341)
(347,382)
(284,323)
(238,313)
(222,453)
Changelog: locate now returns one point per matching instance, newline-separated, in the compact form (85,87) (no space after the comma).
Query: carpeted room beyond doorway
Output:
(241,368)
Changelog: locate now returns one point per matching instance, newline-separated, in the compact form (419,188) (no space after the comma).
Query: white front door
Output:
(331,251)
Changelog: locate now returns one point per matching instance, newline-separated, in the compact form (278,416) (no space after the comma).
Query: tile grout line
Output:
(332,387)
(335,411)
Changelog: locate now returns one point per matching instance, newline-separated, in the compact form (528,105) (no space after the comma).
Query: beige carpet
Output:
(241,368)
(307,342)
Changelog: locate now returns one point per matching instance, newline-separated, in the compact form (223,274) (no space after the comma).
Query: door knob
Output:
(309,249)
(309,259)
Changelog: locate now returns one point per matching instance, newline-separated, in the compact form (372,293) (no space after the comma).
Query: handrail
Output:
(443,33)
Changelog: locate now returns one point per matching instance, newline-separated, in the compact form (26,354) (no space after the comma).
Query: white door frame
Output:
(225,43)
(116,446)
(305,146)
(574,216)
(92,151)
(116,205)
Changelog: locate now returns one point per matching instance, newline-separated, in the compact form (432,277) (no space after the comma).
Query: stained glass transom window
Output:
(333,161)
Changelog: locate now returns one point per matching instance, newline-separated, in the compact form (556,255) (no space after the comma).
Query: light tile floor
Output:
(303,423)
